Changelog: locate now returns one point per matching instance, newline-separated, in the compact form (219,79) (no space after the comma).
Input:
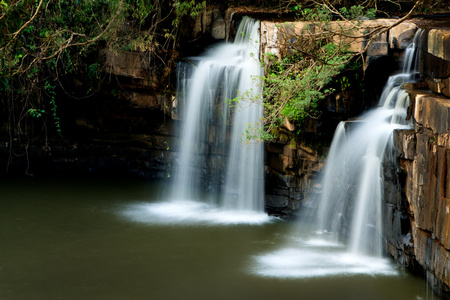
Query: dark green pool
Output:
(89,239)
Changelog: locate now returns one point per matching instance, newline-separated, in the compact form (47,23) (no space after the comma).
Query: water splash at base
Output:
(191,213)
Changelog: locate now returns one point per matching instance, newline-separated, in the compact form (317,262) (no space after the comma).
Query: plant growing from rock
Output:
(314,51)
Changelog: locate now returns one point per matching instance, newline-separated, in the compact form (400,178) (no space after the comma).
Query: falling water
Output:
(244,181)
(219,175)
(349,216)
(227,72)
(353,181)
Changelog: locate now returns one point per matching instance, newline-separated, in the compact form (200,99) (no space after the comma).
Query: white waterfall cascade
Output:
(354,170)
(219,178)
(244,185)
(230,70)
(353,175)
(349,217)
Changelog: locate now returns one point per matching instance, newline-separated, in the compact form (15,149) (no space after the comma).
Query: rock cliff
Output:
(418,209)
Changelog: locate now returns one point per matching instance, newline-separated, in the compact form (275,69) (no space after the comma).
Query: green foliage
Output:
(432,137)
(50,90)
(316,14)
(298,89)
(344,83)
(47,45)
(308,67)
(184,8)
(357,12)
(255,132)
(36,113)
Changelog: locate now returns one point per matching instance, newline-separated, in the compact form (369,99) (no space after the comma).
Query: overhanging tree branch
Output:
(14,35)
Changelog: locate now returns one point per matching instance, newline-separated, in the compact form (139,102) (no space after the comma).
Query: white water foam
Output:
(185,213)
(313,258)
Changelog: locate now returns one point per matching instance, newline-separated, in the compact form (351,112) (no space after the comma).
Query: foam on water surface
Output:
(317,257)
(186,212)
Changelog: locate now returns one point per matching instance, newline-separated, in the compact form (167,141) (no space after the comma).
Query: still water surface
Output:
(66,239)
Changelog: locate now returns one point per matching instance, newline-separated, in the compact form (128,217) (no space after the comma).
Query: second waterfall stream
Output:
(347,235)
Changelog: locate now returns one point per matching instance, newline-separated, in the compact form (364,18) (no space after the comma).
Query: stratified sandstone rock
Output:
(127,63)
(290,169)
(275,36)
(436,61)
(405,142)
(402,35)
(433,112)
(438,43)
(210,22)
(425,163)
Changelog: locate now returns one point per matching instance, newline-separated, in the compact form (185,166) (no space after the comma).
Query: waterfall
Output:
(244,180)
(353,175)
(219,175)
(346,239)
(210,152)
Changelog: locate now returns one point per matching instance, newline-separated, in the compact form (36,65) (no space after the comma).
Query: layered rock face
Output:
(122,130)
(277,35)
(290,171)
(437,61)
(418,211)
